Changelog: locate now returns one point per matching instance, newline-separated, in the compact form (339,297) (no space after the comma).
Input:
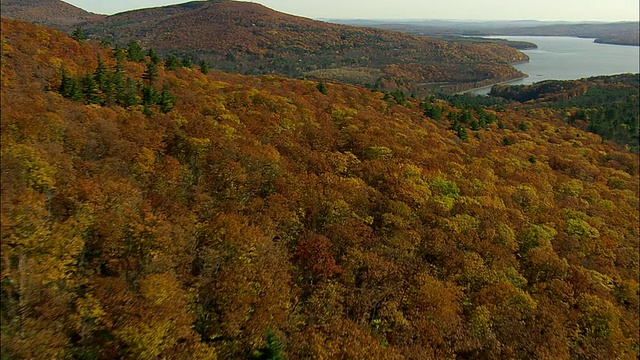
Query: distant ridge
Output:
(249,38)
(55,13)
(619,33)
(252,39)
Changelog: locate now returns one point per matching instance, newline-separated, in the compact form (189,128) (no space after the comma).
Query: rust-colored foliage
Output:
(338,223)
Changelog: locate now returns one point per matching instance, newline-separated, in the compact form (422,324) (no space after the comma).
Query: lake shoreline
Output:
(569,58)
(492,85)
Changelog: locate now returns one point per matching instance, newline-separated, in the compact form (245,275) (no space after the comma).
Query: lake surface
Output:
(570,58)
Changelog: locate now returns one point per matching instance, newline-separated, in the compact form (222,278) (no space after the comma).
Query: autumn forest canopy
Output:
(155,208)
(251,39)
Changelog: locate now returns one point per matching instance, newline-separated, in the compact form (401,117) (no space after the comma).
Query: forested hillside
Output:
(265,218)
(58,14)
(606,105)
(250,39)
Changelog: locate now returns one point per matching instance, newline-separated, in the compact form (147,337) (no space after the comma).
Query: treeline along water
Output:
(569,58)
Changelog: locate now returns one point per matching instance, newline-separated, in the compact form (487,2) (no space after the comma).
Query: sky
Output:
(570,10)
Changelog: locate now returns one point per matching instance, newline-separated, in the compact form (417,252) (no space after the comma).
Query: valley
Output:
(251,39)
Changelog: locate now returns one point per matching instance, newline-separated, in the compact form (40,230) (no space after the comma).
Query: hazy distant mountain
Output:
(622,33)
(54,13)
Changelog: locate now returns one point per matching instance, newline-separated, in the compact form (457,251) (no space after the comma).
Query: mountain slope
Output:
(606,105)
(263,217)
(249,38)
(54,13)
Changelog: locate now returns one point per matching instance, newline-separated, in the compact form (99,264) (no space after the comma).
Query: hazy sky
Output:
(577,10)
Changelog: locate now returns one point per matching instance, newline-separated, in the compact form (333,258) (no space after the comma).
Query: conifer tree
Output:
(204,67)
(120,56)
(151,73)
(149,95)
(117,86)
(75,92)
(153,56)
(90,90)
(171,62)
(272,349)
(462,133)
(100,75)
(108,90)
(78,34)
(322,87)
(65,83)
(166,101)
(69,87)
(134,52)
(128,95)
(186,62)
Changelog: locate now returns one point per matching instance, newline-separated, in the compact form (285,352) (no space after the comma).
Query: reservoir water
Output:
(570,58)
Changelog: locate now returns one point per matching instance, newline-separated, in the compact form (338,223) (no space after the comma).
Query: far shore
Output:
(491,85)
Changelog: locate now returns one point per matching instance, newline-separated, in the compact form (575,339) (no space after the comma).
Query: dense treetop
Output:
(264,217)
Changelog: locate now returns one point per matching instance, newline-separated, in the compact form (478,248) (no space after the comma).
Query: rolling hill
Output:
(606,105)
(57,14)
(249,38)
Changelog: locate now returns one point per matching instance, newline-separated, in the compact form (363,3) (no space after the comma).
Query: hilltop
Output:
(157,213)
(248,38)
(54,13)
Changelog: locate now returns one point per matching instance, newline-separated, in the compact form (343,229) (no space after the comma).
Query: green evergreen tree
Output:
(69,87)
(272,349)
(204,67)
(186,62)
(108,90)
(475,126)
(90,90)
(153,57)
(166,101)
(134,52)
(462,133)
(432,111)
(149,95)
(151,73)
(399,97)
(322,87)
(171,62)
(120,56)
(78,34)
(75,91)
(65,83)
(467,117)
(118,86)
(128,95)
(100,75)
